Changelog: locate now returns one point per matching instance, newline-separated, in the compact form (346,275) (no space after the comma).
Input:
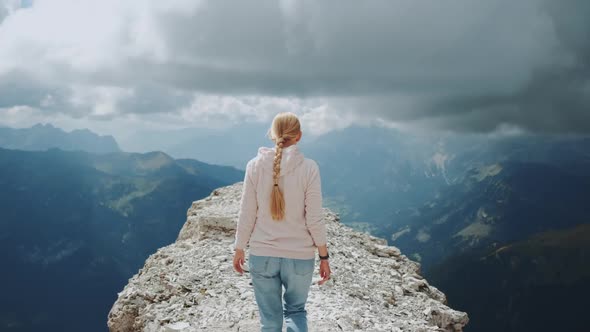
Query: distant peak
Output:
(44,125)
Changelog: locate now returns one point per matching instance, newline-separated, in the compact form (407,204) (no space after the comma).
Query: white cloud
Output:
(98,101)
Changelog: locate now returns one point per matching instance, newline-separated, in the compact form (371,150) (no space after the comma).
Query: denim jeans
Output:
(269,276)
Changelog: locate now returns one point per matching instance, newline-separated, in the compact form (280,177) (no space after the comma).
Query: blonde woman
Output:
(281,218)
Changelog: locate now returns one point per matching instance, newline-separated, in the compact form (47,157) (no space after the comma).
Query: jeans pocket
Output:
(303,267)
(258,264)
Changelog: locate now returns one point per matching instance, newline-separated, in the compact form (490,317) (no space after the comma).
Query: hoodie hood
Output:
(290,159)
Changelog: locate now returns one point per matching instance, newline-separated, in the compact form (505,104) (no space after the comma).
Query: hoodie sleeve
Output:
(314,216)
(248,209)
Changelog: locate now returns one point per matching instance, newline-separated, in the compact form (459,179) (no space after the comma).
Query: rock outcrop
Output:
(190,285)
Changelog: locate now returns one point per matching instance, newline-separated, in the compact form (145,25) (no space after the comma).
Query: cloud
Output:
(7,7)
(457,64)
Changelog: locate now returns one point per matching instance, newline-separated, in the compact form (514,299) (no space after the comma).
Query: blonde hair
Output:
(284,129)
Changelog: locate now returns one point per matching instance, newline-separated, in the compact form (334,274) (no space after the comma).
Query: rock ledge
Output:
(190,285)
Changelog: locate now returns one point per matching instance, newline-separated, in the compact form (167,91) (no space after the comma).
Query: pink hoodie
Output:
(303,228)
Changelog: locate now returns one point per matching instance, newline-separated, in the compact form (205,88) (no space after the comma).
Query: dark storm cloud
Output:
(152,98)
(21,88)
(555,99)
(326,49)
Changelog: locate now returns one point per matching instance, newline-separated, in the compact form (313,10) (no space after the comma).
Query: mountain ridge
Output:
(190,284)
(76,225)
(46,136)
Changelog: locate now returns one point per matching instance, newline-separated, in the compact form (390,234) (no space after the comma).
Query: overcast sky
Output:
(462,65)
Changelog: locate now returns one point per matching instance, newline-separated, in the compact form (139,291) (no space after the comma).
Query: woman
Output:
(281,217)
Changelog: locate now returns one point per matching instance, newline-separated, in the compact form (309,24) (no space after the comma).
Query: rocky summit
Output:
(190,285)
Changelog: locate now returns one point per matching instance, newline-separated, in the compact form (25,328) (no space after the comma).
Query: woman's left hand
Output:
(324,271)
(239,261)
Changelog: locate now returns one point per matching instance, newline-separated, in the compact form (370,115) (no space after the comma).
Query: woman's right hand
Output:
(239,261)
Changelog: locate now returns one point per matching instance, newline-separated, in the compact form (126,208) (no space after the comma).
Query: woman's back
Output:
(301,228)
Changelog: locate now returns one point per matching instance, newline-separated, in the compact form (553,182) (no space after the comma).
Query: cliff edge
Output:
(190,285)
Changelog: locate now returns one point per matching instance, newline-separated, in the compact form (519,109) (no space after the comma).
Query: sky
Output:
(455,65)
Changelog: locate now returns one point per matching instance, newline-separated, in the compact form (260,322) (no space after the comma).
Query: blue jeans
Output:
(269,274)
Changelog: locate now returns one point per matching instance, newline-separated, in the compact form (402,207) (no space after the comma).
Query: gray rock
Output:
(190,285)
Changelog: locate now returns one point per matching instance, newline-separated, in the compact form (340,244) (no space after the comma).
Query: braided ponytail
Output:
(285,127)
(277,207)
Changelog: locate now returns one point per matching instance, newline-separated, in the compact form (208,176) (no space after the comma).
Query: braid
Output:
(277,160)
(285,129)
(279,212)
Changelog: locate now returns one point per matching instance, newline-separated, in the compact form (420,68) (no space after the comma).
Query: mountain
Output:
(367,173)
(540,283)
(42,137)
(190,285)
(75,226)
(230,146)
(378,177)
(494,204)
(502,195)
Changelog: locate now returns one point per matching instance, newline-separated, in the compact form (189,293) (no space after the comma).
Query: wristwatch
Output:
(324,257)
